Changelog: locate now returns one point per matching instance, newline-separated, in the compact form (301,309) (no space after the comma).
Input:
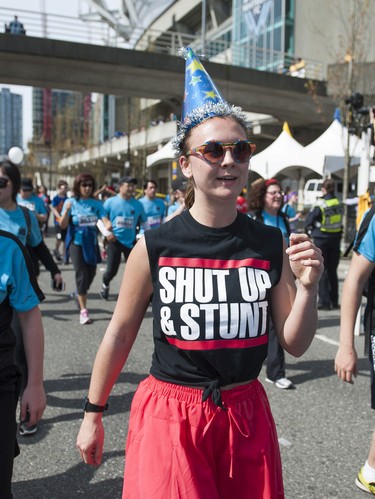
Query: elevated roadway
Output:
(42,62)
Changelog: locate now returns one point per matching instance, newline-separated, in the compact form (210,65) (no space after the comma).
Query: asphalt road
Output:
(324,425)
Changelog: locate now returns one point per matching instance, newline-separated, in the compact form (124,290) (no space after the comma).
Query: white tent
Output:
(278,156)
(326,154)
(166,153)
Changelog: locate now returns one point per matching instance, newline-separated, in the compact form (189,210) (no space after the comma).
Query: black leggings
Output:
(275,357)
(114,252)
(9,392)
(84,273)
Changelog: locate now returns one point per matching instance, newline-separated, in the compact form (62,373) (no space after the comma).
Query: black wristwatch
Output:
(89,407)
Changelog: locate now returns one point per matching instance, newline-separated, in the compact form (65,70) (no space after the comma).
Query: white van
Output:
(312,192)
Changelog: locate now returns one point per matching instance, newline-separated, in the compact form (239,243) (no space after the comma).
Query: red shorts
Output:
(179,447)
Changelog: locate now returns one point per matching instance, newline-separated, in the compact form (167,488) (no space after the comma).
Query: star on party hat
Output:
(202,100)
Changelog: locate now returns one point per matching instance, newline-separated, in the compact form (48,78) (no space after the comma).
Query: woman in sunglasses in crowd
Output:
(24,225)
(19,292)
(80,215)
(200,424)
(265,204)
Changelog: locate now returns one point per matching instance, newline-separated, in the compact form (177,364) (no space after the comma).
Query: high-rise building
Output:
(10,120)
(61,119)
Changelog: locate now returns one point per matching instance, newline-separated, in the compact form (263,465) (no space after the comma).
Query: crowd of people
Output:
(231,285)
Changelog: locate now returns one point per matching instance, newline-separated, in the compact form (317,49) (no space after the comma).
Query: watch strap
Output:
(89,407)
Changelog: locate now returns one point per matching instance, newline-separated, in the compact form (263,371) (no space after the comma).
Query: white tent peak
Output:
(333,142)
(165,153)
(276,156)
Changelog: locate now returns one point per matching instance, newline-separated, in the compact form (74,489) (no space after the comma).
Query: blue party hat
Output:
(202,100)
(199,88)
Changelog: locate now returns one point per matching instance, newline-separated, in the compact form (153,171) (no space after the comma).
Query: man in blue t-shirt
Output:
(56,206)
(125,214)
(27,198)
(154,207)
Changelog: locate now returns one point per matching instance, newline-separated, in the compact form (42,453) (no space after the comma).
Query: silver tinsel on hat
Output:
(202,113)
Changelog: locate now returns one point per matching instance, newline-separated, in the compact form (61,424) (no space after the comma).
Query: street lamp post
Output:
(345,183)
(203,27)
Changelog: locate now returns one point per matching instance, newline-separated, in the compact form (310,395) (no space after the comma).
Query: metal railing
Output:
(217,48)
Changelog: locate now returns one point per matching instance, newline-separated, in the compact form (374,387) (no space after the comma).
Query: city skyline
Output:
(68,8)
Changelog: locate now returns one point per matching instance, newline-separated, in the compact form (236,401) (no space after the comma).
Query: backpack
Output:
(369,288)
(26,214)
(29,249)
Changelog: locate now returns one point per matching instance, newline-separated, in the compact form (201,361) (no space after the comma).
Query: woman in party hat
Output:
(200,424)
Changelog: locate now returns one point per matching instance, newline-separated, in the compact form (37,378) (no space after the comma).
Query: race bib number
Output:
(87,220)
(124,222)
(154,222)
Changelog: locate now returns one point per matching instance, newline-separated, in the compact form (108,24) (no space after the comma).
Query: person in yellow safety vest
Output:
(324,224)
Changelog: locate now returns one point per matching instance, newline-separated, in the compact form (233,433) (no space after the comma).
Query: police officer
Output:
(324,225)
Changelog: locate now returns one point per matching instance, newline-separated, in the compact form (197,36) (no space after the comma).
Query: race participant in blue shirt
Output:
(80,215)
(360,276)
(154,207)
(19,292)
(125,214)
(179,186)
(27,198)
(23,224)
(56,207)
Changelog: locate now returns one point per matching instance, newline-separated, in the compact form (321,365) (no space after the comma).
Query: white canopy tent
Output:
(162,155)
(324,156)
(276,157)
(327,154)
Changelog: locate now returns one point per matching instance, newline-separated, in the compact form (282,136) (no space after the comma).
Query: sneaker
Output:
(104,292)
(283,383)
(363,484)
(84,317)
(57,256)
(26,431)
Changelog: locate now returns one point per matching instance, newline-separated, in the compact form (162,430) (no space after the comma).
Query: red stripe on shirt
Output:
(217,344)
(207,263)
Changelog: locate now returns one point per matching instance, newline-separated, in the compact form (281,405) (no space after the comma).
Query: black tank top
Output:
(211,300)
